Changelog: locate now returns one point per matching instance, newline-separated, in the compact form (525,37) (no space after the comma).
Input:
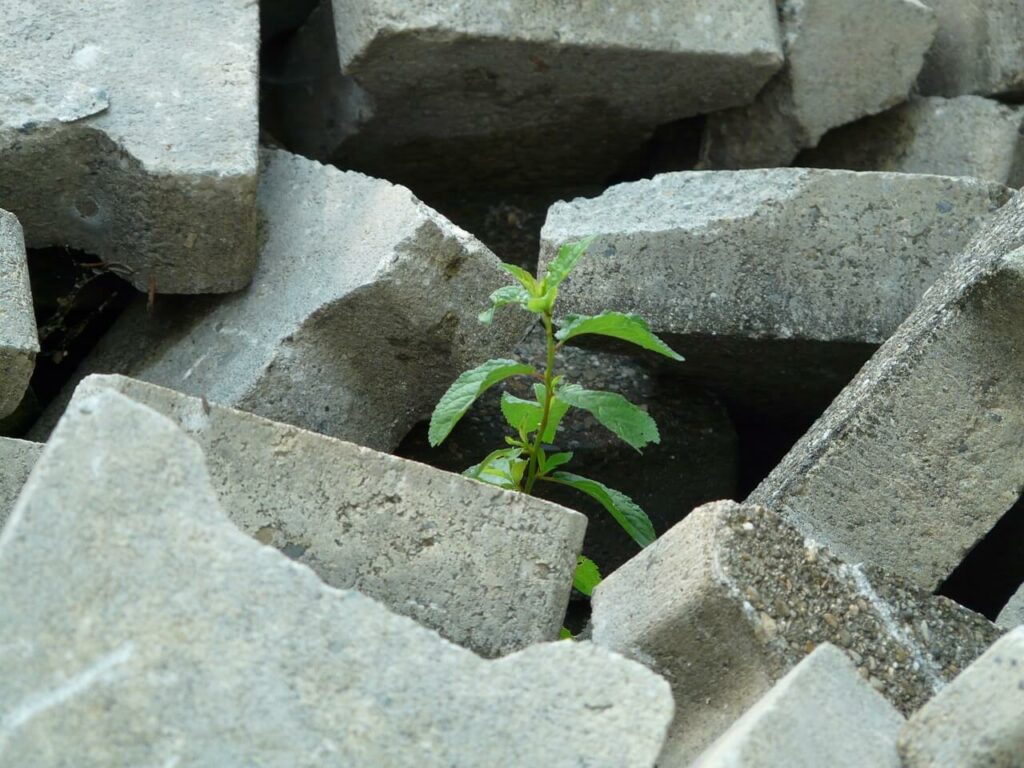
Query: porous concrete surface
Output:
(362,312)
(437,92)
(1012,614)
(962,136)
(921,455)
(822,713)
(977,721)
(19,339)
(733,597)
(843,61)
(17,457)
(977,49)
(142,627)
(488,569)
(115,142)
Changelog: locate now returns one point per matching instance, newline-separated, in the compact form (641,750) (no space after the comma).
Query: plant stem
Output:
(549,375)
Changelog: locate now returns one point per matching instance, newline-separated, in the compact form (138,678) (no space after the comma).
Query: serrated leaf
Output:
(618,325)
(525,279)
(586,576)
(631,423)
(522,415)
(507,294)
(633,519)
(556,412)
(465,390)
(476,470)
(556,460)
(563,263)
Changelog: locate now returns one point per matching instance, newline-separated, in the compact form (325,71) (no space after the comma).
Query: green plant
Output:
(525,460)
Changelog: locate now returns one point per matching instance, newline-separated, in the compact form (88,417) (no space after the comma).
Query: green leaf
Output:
(507,294)
(477,469)
(586,576)
(631,423)
(556,460)
(564,634)
(502,468)
(631,328)
(528,281)
(468,387)
(522,415)
(563,263)
(555,414)
(633,519)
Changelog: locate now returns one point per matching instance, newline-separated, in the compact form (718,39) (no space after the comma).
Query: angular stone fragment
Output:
(921,455)
(115,142)
(362,311)
(979,48)
(488,569)
(730,599)
(843,61)
(822,713)
(963,136)
(1012,614)
(496,92)
(142,628)
(977,721)
(17,457)
(19,341)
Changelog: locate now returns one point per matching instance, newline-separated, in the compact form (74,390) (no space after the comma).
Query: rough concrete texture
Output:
(115,143)
(978,720)
(362,312)
(434,92)
(963,136)
(977,49)
(19,340)
(17,457)
(923,452)
(822,713)
(488,569)
(730,599)
(768,281)
(843,61)
(142,628)
(1012,614)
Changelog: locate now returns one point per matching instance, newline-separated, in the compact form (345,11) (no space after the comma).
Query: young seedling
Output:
(525,460)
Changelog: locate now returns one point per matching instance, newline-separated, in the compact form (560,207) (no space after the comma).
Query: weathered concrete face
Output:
(821,713)
(975,722)
(488,569)
(131,151)
(963,136)
(495,91)
(140,626)
(730,599)
(363,310)
(1012,614)
(843,61)
(923,452)
(17,457)
(19,340)
(976,50)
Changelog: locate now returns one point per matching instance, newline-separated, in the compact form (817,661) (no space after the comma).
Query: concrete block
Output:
(495,92)
(821,713)
(923,452)
(1012,614)
(17,457)
(843,61)
(141,627)
(977,49)
(361,314)
(115,142)
(977,721)
(733,597)
(488,569)
(19,340)
(962,136)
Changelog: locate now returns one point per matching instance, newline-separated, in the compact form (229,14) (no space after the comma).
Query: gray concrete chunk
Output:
(843,61)
(128,130)
(142,628)
(19,340)
(488,569)
(1012,614)
(822,713)
(921,455)
(733,597)
(17,457)
(977,721)
(963,136)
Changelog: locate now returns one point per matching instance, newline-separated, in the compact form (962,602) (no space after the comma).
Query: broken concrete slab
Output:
(821,713)
(444,94)
(134,153)
(17,457)
(19,340)
(1012,614)
(963,136)
(920,456)
(976,721)
(733,597)
(843,61)
(488,569)
(141,626)
(362,312)
(977,49)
